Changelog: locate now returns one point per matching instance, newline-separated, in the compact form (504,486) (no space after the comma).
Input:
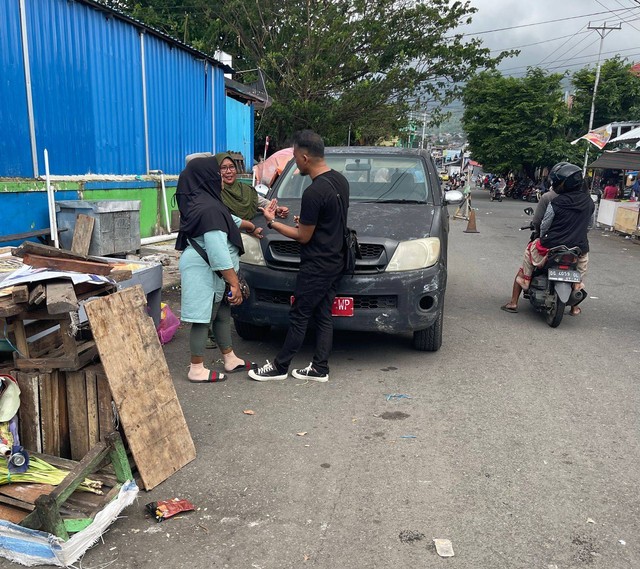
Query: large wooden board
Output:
(141,384)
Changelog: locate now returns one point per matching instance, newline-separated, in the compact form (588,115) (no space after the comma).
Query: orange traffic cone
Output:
(471,226)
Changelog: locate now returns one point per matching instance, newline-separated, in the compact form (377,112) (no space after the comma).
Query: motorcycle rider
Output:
(562,217)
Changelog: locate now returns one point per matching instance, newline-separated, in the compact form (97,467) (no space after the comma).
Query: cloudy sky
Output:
(558,45)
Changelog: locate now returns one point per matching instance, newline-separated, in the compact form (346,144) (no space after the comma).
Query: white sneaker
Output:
(311,374)
(267,372)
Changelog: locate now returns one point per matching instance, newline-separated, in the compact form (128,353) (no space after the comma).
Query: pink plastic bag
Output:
(169,324)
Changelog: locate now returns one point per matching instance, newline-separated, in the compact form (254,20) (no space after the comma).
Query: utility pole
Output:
(603,31)
(424,126)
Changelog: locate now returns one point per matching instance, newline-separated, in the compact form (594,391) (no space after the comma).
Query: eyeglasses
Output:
(227,169)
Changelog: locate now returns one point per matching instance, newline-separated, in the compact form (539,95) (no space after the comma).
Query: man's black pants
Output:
(314,295)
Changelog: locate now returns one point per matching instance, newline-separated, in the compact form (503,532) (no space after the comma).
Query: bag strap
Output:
(203,254)
(343,207)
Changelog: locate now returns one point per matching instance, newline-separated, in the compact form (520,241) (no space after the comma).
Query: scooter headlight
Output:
(415,254)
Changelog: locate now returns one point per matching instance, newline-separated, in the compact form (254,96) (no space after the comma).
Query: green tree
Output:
(617,99)
(334,64)
(516,123)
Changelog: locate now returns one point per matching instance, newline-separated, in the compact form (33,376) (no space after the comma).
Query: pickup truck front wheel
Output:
(429,340)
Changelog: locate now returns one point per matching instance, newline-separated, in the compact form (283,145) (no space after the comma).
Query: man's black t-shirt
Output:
(324,253)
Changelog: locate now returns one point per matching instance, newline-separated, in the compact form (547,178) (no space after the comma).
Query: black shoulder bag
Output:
(351,245)
(242,283)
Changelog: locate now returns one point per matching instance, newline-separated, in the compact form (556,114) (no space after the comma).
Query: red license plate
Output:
(342,306)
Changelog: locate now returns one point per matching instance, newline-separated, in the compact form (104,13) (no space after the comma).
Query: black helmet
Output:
(568,173)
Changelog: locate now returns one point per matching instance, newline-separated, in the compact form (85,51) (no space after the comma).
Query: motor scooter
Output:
(496,192)
(551,288)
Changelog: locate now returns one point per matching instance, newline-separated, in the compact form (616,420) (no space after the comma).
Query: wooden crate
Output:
(65,414)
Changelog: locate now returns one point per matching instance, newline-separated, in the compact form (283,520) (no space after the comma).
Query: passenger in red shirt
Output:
(610,192)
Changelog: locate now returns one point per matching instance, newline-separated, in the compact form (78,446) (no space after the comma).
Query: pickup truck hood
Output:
(399,222)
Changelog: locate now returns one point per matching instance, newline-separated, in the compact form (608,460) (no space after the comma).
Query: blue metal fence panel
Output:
(220,112)
(27,211)
(178,103)
(15,149)
(86,89)
(240,129)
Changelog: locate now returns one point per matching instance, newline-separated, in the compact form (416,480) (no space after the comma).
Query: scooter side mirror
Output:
(528,210)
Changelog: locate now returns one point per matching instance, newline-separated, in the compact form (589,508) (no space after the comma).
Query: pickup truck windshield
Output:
(387,179)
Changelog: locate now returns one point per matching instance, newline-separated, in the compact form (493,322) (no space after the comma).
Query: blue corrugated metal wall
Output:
(179,105)
(86,89)
(240,130)
(219,113)
(86,73)
(15,152)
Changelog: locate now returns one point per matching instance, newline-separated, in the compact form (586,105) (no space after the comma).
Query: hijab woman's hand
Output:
(236,296)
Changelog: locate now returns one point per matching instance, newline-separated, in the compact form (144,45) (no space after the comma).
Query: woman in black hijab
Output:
(211,242)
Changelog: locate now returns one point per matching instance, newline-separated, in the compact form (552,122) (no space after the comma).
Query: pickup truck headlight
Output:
(252,251)
(415,254)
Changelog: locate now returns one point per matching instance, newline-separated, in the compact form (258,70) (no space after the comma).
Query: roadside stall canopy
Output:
(631,135)
(618,160)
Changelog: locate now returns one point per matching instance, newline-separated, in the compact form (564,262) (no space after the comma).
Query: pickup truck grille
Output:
(285,254)
(292,249)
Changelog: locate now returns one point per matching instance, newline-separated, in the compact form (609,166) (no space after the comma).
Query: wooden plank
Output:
(78,419)
(29,247)
(89,267)
(37,294)
(82,234)
(20,293)
(8,308)
(63,413)
(21,339)
(26,492)
(141,384)
(106,416)
(29,412)
(61,297)
(50,412)
(12,514)
(93,424)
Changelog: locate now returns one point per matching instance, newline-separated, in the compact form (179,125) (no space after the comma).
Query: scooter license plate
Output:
(342,306)
(564,275)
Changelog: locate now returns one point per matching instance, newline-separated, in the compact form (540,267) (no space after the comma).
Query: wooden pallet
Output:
(62,510)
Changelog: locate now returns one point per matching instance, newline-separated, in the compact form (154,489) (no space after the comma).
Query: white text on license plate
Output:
(563,275)
(342,306)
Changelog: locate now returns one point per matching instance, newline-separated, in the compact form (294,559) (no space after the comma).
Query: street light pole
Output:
(424,126)
(603,31)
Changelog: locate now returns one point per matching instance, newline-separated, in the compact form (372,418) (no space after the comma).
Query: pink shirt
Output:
(610,193)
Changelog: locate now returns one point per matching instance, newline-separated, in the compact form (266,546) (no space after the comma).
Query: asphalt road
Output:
(517,442)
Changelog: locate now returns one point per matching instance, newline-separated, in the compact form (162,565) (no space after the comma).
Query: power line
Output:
(627,9)
(539,42)
(542,23)
(565,65)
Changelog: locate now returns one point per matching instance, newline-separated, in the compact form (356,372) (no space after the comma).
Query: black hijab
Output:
(199,199)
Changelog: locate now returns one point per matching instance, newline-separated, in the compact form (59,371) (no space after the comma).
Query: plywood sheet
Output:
(141,384)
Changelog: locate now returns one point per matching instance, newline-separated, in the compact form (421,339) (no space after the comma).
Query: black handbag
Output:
(245,291)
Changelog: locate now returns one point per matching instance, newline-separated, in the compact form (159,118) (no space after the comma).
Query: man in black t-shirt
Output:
(320,232)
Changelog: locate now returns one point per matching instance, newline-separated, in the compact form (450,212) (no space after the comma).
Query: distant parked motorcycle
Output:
(551,288)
